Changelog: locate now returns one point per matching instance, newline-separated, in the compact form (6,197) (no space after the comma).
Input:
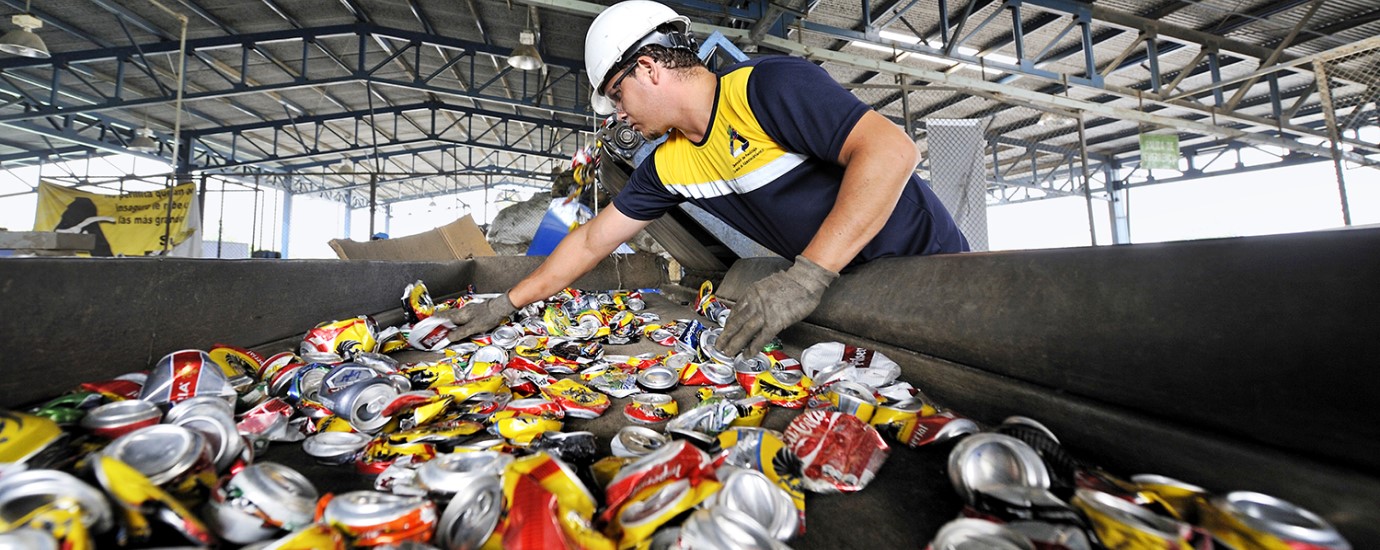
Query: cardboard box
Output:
(457,240)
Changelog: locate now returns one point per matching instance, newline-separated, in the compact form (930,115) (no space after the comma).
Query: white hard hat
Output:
(620,30)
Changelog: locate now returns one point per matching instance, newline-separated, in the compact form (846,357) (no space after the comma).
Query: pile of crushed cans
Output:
(468,450)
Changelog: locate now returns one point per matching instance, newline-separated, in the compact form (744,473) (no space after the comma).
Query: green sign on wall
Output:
(1159,151)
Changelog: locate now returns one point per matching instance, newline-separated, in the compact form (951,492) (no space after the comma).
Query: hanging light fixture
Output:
(143,141)
(345,166)
(525,56)
(23,41)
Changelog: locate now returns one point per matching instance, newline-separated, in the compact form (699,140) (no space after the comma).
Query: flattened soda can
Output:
(651,408)
(1121,524)
(1246,519)
(184,374)
(897,419)
(472,514)
(852,398)
(976,534)
(752,493)
(747,369)
(1183,501)
(372,518)
(117,418)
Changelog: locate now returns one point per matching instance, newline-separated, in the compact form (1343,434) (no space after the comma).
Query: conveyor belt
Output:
(902,507)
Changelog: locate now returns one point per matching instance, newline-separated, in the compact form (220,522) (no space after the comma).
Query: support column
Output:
(287,220)
(1118,207)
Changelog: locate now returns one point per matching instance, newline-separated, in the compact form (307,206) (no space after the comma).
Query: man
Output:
(773,146)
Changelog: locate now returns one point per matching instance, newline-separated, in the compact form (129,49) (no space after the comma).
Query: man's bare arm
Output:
(577,253)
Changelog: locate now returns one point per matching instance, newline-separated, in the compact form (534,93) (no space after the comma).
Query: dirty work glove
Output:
(472,319)
(772,304)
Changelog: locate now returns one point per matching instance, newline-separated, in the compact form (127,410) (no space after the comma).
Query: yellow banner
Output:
(132,224)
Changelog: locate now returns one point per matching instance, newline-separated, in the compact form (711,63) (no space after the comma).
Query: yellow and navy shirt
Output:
(768,166)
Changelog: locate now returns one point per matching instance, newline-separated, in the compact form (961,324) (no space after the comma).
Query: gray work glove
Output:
(471,319)
(772,304)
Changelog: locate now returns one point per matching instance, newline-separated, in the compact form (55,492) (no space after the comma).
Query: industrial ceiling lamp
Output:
(525,57)
(23,41)
(345,166)
(143,141)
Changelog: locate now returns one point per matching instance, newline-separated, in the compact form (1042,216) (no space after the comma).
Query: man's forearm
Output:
(572,258)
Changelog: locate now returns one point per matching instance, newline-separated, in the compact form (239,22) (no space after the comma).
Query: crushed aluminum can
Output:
(1053,536)
(657,505)
(709,305)
(707,373)
(1122,524)
(449,474)
(766,451)
(688,338)
(751,411)
(276,495)
(530,346)
(28,538)
(521,429)
(1183,501)
(938,428)
(400,478)
(485,362)
(275,363)
(382,452)
(141,500)
(23,493)
(372,518)
(506,336)
(214,419)
(430,334)
(578,400)
(825,355)
(651,408)
(183,374)
(472,514)
(677,460)
(838,452)
(852,398)
(362,404)
(431,375)
(1004,477)
(988,461)
(335,448)
(616,380)
(657,378)
(977,534)
(709,347)
(572,447)
(789,389)
(358,394)
(747,369)
(170,456)
(537,406)
(1246,519)
(314,537)
(663,336)
(637,441)
(719,527)
(709,417)
(334,340)
(125,386)
(897,419)
(267,420)
(236,362)
(752,493)
(417,303)
(117,418)
(69,409)
(730,393)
